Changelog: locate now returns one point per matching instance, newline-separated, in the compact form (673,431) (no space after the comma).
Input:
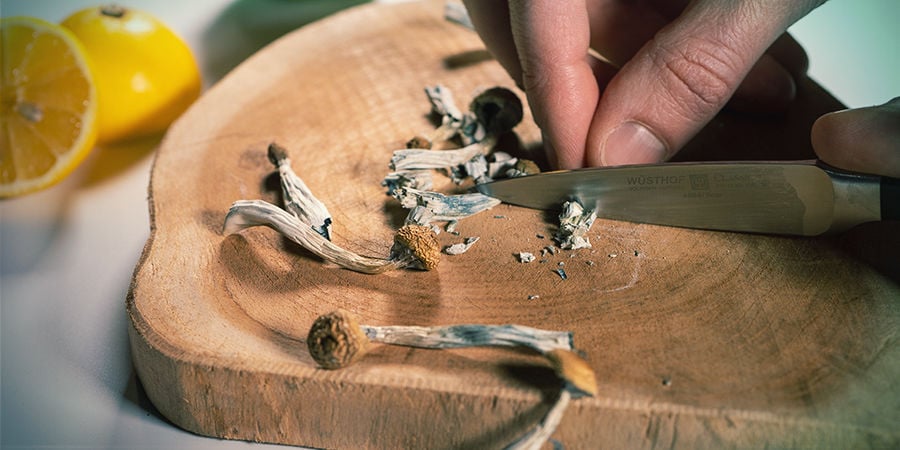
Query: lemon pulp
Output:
(47,105)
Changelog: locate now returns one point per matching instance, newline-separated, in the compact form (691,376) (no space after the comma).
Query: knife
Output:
(804,198)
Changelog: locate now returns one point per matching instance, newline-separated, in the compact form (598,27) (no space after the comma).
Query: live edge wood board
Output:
(698,338)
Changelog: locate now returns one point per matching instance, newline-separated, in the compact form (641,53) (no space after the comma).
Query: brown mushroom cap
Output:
(422,242)
(574,370)
(527,166)
(498,109)
(336,340)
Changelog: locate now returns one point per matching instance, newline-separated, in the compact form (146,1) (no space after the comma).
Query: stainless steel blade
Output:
(780,198)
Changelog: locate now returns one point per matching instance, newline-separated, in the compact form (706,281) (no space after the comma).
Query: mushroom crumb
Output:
(525,257)
(462,247)
(574,224)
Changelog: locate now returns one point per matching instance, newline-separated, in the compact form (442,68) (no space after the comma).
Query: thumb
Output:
(862,140)
(681,78)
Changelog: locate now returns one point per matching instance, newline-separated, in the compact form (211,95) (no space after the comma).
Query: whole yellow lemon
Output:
(145,75)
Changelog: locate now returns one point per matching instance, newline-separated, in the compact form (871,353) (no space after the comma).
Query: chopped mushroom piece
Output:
(574,224)
(462,247)
(337,339)
(525,257)
(453,121)
(416,158)
(445,208)
(416,179)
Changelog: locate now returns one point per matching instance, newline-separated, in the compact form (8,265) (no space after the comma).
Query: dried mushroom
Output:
(574,224)
(308,224)
(337,339)
(298,199)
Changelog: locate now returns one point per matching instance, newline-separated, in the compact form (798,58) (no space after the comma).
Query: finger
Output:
(491,20)
(552,39)
(862,140)
(619,29)
(771,84)
(790,54)
(767,88)
(681,79)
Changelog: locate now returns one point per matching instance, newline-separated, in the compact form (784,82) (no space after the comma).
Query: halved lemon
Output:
(47,105)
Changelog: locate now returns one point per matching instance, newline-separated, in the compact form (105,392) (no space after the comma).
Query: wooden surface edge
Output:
(212,407)
(206,399)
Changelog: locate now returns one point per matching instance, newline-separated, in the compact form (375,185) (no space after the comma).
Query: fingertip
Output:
(631,143)
(862,140)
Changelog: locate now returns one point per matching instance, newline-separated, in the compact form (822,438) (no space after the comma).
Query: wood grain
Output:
(698,338)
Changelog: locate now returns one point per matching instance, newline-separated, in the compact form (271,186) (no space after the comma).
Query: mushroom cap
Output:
(498,109)
(527,166)
(422,242)
(276,153)
(574,370)
(336,340)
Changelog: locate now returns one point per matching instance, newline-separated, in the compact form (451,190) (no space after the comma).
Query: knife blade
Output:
(795,198)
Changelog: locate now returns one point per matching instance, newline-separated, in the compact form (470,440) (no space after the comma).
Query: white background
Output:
(67,253)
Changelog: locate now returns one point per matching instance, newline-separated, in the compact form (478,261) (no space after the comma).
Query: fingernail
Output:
(632,143)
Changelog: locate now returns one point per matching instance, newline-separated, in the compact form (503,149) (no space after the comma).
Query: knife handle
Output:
(890,198)
(861,198)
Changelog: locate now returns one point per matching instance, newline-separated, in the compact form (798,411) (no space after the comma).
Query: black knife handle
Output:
(890,198)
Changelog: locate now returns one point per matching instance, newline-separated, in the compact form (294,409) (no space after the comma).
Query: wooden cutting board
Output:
(698,338)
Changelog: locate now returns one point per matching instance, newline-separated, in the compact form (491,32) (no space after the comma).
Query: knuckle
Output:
(699,74)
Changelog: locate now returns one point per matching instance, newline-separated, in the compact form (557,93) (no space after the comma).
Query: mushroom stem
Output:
(535,438)
(337,339)
(470,335)
(578,381)
(417,158)
(250,213)
(298,198)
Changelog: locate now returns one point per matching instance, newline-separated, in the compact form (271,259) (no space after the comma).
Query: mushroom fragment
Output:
(444,208)
(337,339)
(574,224)
(461,247)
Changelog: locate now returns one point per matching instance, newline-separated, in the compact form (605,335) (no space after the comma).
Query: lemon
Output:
(47,105)
(146,76)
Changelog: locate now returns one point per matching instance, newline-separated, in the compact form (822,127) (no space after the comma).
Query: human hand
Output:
(863,140)
(680,64)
